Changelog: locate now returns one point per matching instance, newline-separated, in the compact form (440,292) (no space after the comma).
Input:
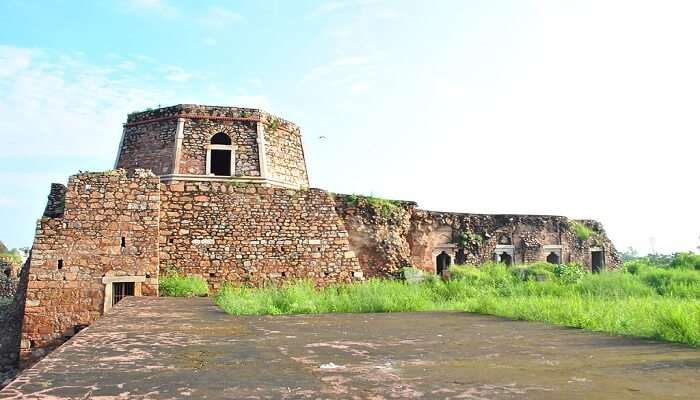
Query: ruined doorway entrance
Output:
(506,259)
(442,261)
(221,162)
(553,258)
(597,261)
(121,290)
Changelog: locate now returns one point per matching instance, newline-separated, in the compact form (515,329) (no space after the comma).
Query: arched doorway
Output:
(220,155)
(506,259)
(553,258)
(442,262)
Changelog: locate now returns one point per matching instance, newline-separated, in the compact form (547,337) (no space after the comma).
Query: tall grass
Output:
(640,300)
(175,285)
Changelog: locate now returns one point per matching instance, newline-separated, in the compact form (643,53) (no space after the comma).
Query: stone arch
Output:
(220,155)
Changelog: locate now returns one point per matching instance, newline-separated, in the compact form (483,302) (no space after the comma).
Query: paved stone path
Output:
(164,348)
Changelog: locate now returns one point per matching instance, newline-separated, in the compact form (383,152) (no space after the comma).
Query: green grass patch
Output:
(176,285)
(384,207)
(640,300)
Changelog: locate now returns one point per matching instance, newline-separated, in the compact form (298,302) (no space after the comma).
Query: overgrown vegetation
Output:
(582,231)
(12,257)
(385,207)
(176,285)
(642,299)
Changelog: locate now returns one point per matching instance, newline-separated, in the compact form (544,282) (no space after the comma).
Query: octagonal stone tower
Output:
(212,143)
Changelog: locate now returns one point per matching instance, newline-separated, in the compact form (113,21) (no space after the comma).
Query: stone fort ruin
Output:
(223,193)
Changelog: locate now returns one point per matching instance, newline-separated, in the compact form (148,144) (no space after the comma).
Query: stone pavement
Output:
(167,348)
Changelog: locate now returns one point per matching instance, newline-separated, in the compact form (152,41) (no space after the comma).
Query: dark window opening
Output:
(284,274)
(121,290)
(221,138)
(60,264)
(212,275)
(221,162)
(7,272)
(123,242)
(553,258)
(443,262)
(506,259)
(597,261)
(170,240)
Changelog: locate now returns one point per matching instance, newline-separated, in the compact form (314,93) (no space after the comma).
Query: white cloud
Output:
(160,7)
(62,106)
(219,18)
(13,60)
(176,74)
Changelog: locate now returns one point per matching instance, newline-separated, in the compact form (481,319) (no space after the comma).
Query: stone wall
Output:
(109,228)
(285,152)
(149,146)
(225,232)
(387,239)
(197,136)
(11,315)
(175,140)
(56,201)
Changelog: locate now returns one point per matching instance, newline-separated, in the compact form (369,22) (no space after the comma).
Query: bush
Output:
(175,285)
(569,273)
(582,231)
(686,261)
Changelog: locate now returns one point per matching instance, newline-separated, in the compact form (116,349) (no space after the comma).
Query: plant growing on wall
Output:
(273,124)
(582,231)
(467,238)
(385,208)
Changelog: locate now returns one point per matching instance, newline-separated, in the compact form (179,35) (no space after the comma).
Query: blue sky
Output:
(586,109)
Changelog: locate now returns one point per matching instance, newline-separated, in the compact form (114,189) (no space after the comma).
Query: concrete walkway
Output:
(164,348)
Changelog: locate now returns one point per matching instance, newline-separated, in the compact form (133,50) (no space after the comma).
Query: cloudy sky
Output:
(587,109)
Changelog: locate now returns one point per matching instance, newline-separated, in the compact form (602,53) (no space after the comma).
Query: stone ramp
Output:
(166,348)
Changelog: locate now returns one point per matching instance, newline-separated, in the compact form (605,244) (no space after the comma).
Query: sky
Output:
(587,109)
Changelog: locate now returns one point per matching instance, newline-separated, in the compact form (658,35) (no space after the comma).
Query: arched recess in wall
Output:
(220,156)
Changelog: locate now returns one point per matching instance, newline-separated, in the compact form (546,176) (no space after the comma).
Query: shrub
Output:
(582,231)
(686,261)
(175,285)
(569,273)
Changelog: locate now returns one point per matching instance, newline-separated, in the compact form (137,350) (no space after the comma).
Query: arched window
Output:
(221,138)
(220,156)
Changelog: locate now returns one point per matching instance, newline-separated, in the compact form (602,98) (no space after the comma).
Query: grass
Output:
(177,285)
(384,207)
(640,300)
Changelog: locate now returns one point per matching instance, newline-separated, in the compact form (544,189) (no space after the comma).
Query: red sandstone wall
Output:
(224,232)
(100,209)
